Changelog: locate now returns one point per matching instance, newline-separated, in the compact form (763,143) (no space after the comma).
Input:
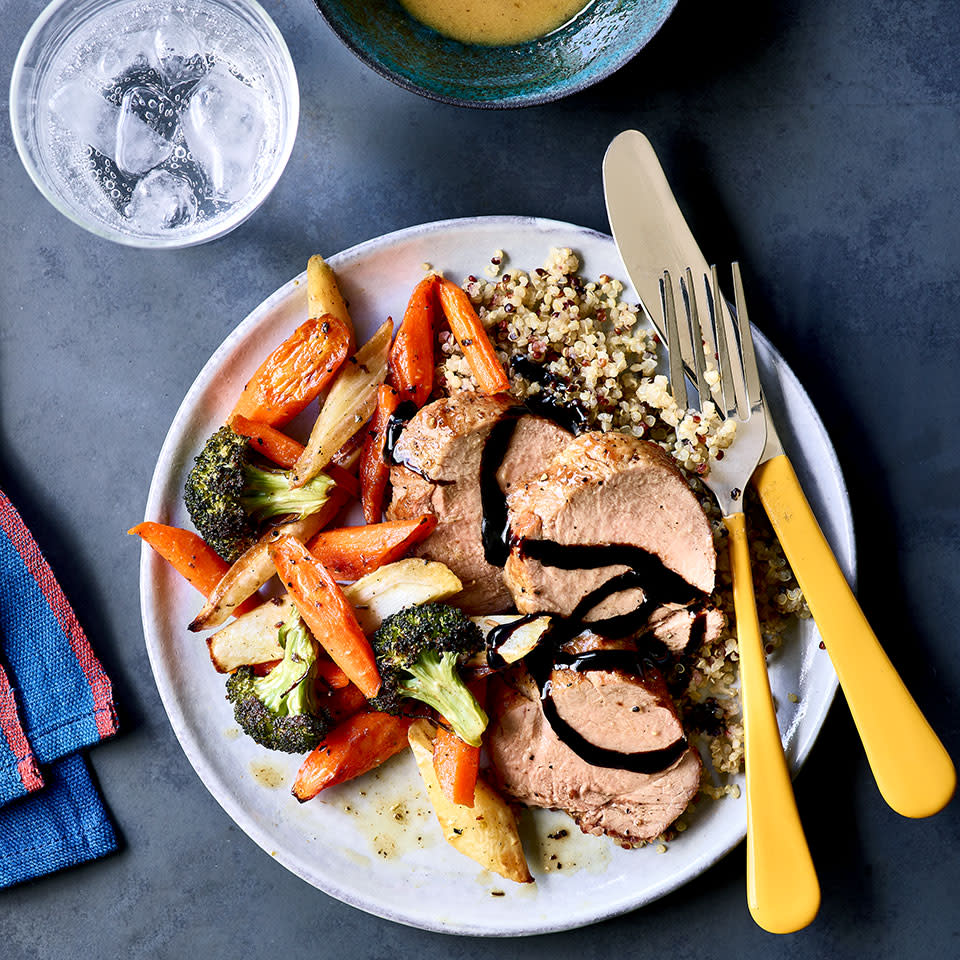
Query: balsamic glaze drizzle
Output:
(535,372)
(548,656)
(543,661)
(568,414)
(494,520)
(398,420)
(395,426)
(659,584)
(499,635)
(645,761)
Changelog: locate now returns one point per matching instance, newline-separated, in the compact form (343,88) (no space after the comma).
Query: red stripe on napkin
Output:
(16,739)
(26,546)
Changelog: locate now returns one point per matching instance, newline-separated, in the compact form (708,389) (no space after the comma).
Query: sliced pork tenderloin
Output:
(441,450)
(604,490)
(612,711)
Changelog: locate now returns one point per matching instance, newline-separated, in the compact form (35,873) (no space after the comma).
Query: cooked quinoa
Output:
(595,346)
(599,353)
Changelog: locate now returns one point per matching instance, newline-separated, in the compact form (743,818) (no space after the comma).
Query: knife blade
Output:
(649,228)
(913,770)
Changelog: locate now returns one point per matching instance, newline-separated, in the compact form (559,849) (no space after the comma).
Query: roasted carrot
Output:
(348,406)
(374,469)
(357,745)
(296,372)
(327,612)
(411,357)
(262,669)
(272,443)
(344,479)
(186,552)
(350,553)
(331,676)
(347,489)
(337,499)
(343,702)
(455,762)
(190,556)
(474,342)
(254,567)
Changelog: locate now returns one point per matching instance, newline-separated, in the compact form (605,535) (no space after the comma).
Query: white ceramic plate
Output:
(373,843)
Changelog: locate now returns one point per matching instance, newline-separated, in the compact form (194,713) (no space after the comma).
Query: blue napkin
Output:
(55,700)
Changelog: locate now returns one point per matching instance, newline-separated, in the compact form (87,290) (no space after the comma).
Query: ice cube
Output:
(153,107)
(85,113)
(161,201)
(129,53)
(178,52)
(139,147)
(224,128)
(116,132)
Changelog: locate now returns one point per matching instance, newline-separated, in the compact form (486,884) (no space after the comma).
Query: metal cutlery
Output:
(913,770)
(783,893)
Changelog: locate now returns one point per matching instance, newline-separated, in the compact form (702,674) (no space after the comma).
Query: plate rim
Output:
(194,751)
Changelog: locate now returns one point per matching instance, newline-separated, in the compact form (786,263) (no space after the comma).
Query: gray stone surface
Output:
(818,143)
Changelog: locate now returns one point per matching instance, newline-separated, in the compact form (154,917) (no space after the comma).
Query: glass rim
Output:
(290,94)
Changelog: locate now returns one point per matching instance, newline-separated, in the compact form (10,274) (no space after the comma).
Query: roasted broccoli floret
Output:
(418,650)
(279,710)
(228,497)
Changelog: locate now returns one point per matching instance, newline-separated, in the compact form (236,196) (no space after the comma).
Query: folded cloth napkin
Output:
(55,699)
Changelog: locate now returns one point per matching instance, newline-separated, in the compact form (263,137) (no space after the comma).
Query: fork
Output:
(783,893)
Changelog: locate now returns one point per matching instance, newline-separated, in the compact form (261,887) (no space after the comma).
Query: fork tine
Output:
(750,371)
(688,292)
(714,298)
(678,383)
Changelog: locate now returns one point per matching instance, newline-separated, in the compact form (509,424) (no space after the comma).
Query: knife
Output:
(913,770)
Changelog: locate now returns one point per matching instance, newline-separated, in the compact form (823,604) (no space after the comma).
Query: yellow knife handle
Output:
(783,893)
(912,768)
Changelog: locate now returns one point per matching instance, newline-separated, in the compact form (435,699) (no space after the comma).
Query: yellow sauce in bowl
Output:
(494,22)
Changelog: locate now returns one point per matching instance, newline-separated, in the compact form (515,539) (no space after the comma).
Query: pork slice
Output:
(682,630)
(442,447)
(614,709)
(534,766)
(606,488)
(412,496)
(450,432)
(535,442)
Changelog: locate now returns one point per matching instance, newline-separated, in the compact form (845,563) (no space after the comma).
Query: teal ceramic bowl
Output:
(591,46)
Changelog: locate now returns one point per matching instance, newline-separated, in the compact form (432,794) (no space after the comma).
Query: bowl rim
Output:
(505,103)
(104,232)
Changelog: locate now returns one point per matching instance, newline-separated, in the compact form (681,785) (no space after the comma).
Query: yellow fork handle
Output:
(912,769)
(783,893)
